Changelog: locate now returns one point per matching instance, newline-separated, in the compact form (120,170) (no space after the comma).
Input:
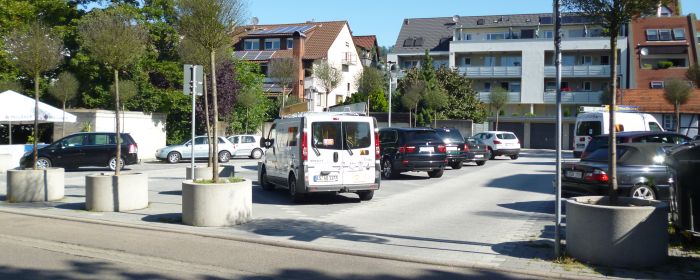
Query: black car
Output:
(411,149)
(601,141)
(641,172)
(85,149)
(454,143)
(476,151)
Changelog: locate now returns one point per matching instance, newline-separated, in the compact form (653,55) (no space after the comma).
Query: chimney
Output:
(298,50)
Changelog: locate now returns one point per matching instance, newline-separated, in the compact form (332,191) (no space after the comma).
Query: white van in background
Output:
(595,121)
(322,152)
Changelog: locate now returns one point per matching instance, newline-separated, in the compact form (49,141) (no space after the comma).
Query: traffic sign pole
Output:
(193,92)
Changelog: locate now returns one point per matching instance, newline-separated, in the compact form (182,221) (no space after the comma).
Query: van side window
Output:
(292,136)
(654,127)
(326,135)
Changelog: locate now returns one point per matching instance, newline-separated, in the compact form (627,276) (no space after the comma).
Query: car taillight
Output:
(497,142)
(304,147)
(442,149)
(377,153)
(466,148)
(582,139)
(596,176)
(133,149)
(407,149)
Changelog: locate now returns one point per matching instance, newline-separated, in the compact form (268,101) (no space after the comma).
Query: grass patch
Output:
(569,263)
(220,181)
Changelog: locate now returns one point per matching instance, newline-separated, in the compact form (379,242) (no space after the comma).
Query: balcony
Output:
(513,97)
(349,58)
(579,71)
(574,97)
(491,71)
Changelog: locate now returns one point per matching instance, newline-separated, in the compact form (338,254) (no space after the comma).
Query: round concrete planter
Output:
(29,185)
(204,173)
(216,205)
(109,193)
(633,235)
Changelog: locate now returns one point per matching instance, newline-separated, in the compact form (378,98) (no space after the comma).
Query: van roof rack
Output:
(606,108)
(306,114)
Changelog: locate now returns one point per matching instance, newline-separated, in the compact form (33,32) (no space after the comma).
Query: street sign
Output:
(194,78)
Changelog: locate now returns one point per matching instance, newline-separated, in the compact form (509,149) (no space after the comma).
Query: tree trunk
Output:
(36,118)
(677,108)
(117,130)
(63,123)
(498,112)
(246,120)
(215,139)
(284,100)
(612,155)
(208,127)
(410,119)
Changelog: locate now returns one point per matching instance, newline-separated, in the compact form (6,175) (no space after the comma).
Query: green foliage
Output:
(371,83)
(664,64)
(693,74)
(463,101)
(498,98)
(329,76)
(65,88)
(677,91)
(127,90)
(252,107)
(11,85)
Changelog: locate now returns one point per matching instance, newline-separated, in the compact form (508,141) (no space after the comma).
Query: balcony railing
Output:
(579,71)
(513,97)
(349,58)
(491,71)
(574,97)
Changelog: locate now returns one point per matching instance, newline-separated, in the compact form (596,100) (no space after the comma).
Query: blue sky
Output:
(384,17)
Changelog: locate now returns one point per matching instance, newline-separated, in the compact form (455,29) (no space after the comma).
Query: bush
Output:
(664,64)
(647,66)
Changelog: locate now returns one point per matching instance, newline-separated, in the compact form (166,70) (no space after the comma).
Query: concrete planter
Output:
(204,173)
(109,193)
(29,185)
(216,205)
(633,235)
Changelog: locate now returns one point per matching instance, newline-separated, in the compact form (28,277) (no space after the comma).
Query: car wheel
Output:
(480,163)
(113,164)
(256,154)
(388,170)
(643,192)
(456,165)
(296,197)
(365,195)
(437,173)
(174,157)
(264,183)
(492,155)
(224,156)
(43,163)
(514,157)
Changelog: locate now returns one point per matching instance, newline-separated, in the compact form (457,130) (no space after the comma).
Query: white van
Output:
(591,124)
(322,152)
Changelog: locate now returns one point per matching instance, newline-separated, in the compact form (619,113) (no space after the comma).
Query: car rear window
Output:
(451,134)
(589,128)
(422,135)
(601,154)
(474,141)
(506,136)
(357,135)
(326,135)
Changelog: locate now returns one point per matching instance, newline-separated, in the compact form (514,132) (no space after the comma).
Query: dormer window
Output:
(251,45)
(272,44)
(290,43)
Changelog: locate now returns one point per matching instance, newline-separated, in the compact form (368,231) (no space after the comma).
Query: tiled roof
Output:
(652,101)
(318,40)
(365,42)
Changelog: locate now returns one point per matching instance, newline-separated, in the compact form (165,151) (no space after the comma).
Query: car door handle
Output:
(335,156)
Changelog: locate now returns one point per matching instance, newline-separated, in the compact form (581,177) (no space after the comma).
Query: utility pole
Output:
(557,55)
(194,75)
(389,65)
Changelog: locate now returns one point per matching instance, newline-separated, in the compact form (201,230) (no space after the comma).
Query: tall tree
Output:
(283,72)
(35,50)
(371,83)
(498,98)
(329,76)
(693,74)
(210,24)
(113,38)
(613,15)
(463,100)
(65,89)
(252,106)
(677,92)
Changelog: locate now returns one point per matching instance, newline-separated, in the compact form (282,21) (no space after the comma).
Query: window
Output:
(590,128)
(586,60)
(200,141)
(357,135)
(679,34)
(418,42)
(654,127)
(657,84)
(73,141)
(348,87)
(577,33)
(505,85)
(665,35)
(319,99)
(326,135)
(407,64)
(234,140)
(346,68)
(338,99)
(527,33)
(587,86)
(604,60)
(511,61)
(547,34)
(664,12)
(465,36)
(652,35)
(506,136)
(550,86)
(389,136)
(221,141)
(568,60)
(292,135)
(98,139)
(514,87)
(497,36)
(565,86)
(290,43)
(251,44)
(489,61)
(408,42)
(467,61)
(272,44)
(248,139)
(669,122)
(487,86)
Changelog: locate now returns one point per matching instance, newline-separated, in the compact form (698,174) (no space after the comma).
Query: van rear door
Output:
(358,155)
(324,153)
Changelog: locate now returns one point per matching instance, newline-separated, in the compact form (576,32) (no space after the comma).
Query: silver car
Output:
(246,145)
(175,153)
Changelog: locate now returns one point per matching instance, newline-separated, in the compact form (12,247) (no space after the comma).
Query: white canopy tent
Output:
(19,109)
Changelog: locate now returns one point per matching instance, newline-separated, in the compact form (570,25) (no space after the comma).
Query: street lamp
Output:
(390,67)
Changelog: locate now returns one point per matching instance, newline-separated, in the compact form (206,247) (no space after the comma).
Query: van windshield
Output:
(589,128)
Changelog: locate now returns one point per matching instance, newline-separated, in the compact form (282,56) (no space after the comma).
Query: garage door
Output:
(517,128)
(543,136)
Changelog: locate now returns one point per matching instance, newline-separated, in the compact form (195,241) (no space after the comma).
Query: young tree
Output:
(329,76)
(411,97)
(436,100)
(283,71)
(613,15)
(677,92)
(693,74)
(210,24)
(114,39)
(65,89)
(498,98)
(371,83)
(34,50)
(127,91)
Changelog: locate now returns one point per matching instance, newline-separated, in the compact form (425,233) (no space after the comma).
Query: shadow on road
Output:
(81,270)
(168,218)
(544,206)
(250,167)
(72,206)
(535,163)
(280,196)
(540,183)
(171,192)
(425,275)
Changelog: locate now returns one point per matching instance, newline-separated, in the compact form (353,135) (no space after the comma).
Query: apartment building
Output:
(516,52)
(308,43)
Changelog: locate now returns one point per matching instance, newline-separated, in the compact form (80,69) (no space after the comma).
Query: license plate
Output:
(573,174)
(449,149)
(478,156)
(427,149)
(326,178)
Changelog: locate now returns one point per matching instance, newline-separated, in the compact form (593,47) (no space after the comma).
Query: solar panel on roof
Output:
(283,30)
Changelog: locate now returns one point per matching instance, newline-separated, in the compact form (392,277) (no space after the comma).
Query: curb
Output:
(303,246)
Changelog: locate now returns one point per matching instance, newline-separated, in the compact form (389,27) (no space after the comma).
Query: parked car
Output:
(601,141)
(246,145)
(476,151)
(641,172)
(454,144)
(175,153)
(412,149)
(500,143)
(85,149)
(322,153)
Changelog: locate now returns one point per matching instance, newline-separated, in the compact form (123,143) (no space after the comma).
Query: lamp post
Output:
(390,65)
(557,55)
